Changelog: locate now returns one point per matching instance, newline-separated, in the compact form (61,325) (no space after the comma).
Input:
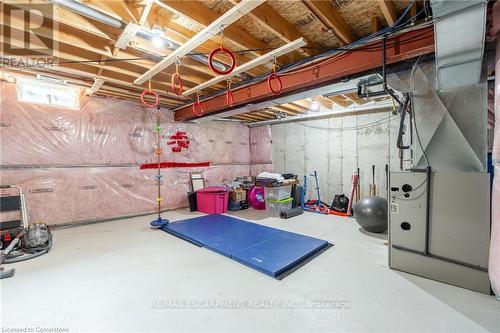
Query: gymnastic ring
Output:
(153,93)
(270,86)
(177,85)
(229,98)
(196,106)
(211,59)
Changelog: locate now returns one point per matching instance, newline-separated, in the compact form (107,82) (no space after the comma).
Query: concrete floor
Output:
(123,276)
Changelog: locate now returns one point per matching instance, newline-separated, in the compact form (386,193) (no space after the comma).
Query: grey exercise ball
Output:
(371,214)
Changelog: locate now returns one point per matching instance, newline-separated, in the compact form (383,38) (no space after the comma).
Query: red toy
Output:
(180,139)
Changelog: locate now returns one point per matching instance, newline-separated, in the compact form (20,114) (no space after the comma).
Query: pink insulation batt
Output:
(79,165)
(261,149)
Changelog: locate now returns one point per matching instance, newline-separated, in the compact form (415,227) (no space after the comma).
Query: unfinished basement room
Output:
(249,166)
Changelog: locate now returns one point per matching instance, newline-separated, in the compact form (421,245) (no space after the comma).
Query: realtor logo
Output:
(29,32)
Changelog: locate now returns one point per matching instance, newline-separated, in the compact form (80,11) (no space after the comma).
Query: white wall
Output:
(335,147)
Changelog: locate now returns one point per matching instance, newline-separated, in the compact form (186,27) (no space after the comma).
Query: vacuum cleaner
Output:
(18,240)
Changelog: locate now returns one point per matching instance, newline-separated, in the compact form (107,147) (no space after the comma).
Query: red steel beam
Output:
(400,47)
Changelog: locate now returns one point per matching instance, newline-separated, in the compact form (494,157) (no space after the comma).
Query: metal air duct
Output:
(460,28)
(99,16)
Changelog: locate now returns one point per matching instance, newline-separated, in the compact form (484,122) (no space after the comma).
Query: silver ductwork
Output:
(92,13)
(460,28)
(99,16)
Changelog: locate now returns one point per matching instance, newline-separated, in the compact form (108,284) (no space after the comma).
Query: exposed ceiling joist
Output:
(82,41)
(354,97)
(324,102)
(254,116)
(90,72)
(145,12)
(340,100)
(105,89)
(304,103)
(315,76)
(329,16)
(269,112)
(212,29)
(91,33)
(64,57)
(271,20)
(96,86)
(284,109)
(181,34)
(295,107)
(388,10)
(125,37)
(67,17)
(242,117)
(203,16)
(266,114)
(98,81)
(296,44)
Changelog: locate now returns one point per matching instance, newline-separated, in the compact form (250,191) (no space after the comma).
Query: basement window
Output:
(48,93)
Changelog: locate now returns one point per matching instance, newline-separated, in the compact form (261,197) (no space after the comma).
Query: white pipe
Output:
(348,110)
(104,18)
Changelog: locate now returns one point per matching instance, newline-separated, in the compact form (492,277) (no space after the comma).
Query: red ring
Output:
(201,108)
(270,86)
(150,92)
(211,59)
(229,98)
(178,89)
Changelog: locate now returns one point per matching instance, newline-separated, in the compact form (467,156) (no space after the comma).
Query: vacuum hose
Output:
(30,243)
(4,254)
(27,256)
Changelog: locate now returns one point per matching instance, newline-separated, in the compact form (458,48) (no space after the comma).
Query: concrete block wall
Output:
(335,147)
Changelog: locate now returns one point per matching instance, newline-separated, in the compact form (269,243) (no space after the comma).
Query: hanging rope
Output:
(149,91)
(229,94)
(198,108)
(221,49)
(176,82)
(274,77)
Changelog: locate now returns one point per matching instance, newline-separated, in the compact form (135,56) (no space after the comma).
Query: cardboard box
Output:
(237,194)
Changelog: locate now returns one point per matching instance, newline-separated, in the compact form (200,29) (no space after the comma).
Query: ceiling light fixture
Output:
(315,105)
(157,39)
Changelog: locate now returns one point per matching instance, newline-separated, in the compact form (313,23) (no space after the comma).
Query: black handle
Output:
(4,186)
(403,110)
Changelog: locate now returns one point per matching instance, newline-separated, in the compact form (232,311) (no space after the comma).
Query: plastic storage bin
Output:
(278,192)
(274,207)
(212,200)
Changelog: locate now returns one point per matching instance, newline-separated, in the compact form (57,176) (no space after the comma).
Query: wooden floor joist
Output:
(110,44)
(224,20)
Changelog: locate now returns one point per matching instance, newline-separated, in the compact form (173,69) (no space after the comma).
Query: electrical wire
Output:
(367,48)
(412,88)
(353,47)
(352,128)
(388,30)
(284,70)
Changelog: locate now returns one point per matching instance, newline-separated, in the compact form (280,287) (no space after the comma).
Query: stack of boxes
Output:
(238,199)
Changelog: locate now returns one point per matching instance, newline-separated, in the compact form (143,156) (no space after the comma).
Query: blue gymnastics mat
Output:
(268,250)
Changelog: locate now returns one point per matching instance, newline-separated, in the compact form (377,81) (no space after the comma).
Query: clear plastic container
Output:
(278,192)
(274,207)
